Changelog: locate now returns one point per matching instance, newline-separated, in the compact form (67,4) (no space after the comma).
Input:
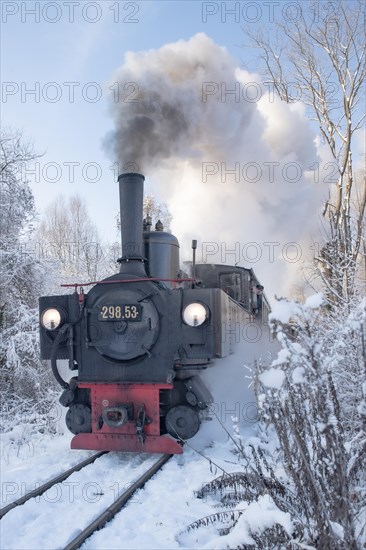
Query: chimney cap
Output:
(130,174)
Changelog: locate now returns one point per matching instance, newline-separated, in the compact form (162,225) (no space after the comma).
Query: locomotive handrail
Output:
(138,280)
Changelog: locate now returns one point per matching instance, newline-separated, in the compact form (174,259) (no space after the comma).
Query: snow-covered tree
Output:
(24,381)
(16,224)
(318,56)
(314,393)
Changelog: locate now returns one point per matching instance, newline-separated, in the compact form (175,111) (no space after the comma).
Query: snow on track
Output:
(53,519)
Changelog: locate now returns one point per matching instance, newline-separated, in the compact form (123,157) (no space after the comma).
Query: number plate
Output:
(121,312)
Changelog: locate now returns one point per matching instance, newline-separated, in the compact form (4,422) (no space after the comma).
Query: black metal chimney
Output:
(131,196)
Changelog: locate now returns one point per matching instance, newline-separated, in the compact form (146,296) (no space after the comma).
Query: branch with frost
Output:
(304,397)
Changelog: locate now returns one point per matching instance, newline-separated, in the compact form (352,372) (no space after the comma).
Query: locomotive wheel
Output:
(78,419)
(182,421)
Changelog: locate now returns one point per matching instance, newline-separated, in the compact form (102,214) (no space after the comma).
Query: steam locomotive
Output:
(140,338)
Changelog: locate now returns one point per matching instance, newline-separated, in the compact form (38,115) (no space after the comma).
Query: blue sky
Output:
(68,53)
(73,49)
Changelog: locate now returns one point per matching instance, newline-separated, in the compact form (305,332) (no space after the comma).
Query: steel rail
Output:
(43,488)
(112,510)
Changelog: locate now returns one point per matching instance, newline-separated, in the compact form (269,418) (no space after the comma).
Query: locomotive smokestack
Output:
(131,195)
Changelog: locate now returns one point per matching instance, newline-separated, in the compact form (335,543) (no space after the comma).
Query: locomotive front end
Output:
(137,340)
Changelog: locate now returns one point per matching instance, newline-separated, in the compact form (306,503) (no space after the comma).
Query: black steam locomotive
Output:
(140,338)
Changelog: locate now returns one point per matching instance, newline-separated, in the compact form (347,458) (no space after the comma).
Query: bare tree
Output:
(157,211)
(69,237)
(321,57)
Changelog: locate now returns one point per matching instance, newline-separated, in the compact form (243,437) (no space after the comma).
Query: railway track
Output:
(43,488)
(112,510)
(108,513)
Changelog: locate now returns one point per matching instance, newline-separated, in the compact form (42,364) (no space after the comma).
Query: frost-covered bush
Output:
(314,396)
(28,391)
(307,464)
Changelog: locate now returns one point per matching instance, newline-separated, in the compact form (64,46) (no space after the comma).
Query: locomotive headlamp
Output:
(51,318)
(195,314)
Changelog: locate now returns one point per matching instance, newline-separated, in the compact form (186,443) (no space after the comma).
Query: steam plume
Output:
(173,126)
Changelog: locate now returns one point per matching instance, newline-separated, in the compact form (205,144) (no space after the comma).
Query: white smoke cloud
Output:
(186,134)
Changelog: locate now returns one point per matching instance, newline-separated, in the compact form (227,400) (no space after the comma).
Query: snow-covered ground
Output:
(155,518)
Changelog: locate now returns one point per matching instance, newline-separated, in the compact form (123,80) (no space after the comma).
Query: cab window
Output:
(231,284)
